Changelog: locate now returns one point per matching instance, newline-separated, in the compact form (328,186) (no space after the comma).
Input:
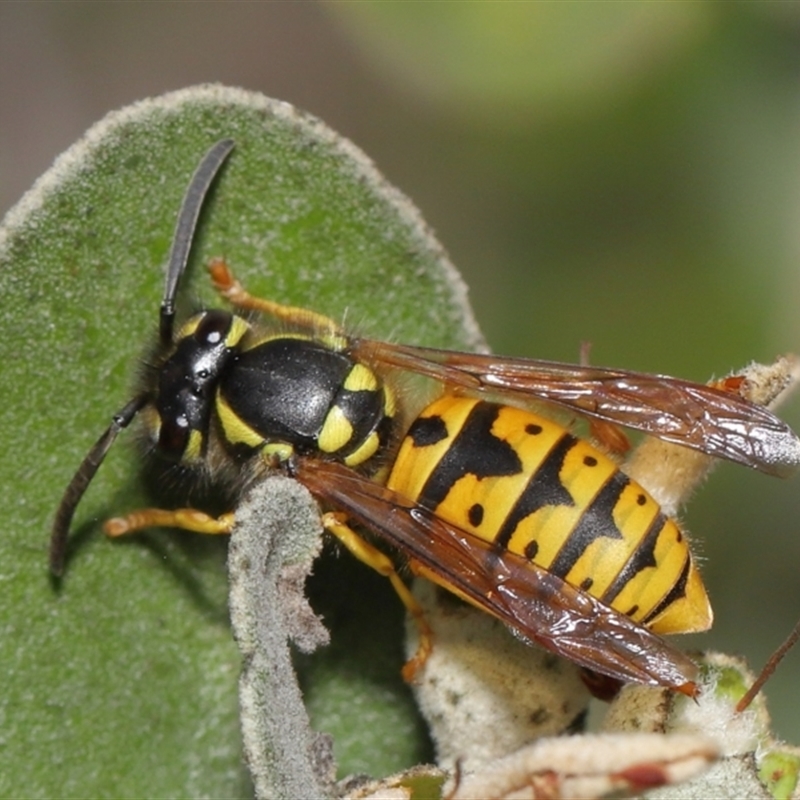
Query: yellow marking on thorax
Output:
(236,430)
(364,451)
(257,341)
(361,379)
(333,341)
(282,451)
(389,400)
(336,431)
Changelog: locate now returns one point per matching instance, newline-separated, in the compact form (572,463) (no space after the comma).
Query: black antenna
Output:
(81,480)
(185,227)
(181,245)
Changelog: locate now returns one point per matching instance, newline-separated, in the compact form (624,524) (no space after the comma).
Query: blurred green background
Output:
(626,174)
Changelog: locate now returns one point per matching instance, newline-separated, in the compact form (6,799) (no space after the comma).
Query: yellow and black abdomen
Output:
(523,483)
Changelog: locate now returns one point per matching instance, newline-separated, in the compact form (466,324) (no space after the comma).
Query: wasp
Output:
(498,504)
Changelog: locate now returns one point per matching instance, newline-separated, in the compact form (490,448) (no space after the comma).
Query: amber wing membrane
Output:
(537,605)
(714,421)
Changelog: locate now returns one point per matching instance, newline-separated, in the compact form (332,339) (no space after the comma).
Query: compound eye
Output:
(213,327)
(173,437)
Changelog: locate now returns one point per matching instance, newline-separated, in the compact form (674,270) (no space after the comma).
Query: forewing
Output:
(537,605)
(717,422)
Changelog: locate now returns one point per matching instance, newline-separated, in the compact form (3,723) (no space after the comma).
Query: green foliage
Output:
(480,59)
(779,771)
(121,679)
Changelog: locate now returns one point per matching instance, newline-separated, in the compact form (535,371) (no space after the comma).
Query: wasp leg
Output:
(187,519)
(232,290)
(382,564)
(611,436)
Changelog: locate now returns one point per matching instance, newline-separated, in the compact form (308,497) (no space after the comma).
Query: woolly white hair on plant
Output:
(715,715)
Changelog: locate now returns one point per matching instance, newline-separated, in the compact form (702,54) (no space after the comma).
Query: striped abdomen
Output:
(524,483)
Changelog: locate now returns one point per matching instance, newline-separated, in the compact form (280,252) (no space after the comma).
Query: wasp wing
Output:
(714,421)
(536,604)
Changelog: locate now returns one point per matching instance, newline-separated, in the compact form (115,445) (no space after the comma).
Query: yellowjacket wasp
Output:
(494,502)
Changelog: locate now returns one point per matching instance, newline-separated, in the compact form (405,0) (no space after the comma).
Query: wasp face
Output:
(187,385)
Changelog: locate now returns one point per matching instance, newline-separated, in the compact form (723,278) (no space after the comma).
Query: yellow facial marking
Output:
(194,447)
(151,422)
(190,326)
(238,329)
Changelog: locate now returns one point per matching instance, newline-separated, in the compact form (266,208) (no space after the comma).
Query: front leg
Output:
(336,524)
(187,519)
(231,289)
